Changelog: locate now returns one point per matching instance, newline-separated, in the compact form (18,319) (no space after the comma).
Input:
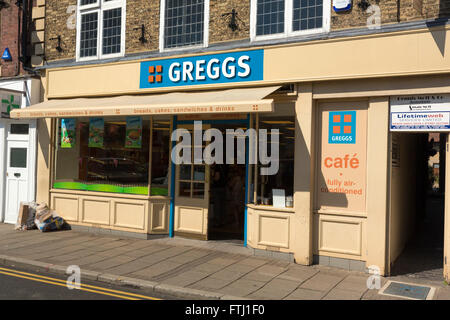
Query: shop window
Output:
(160,157)
(184,23)
(103,154)
(277,189)
(283,18)
(101,29)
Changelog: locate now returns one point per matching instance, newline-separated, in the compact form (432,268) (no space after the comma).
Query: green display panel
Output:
(101,188)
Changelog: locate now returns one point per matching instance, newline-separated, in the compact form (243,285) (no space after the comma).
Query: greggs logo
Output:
(342,127)
(220,68)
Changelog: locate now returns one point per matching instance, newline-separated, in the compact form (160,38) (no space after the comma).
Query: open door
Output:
(447,215)
(192,196)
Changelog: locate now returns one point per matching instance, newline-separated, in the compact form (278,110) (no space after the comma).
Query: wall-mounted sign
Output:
(342,5)
(6,55)
(420,113)
(241,66)
(341,183)
(342,127)
(9,102)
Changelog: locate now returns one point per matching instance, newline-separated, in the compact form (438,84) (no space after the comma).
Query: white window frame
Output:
(100,6)
(288,13)
(162,23)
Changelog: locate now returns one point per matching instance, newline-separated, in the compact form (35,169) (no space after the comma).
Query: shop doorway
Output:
(227,195)
(209,202)
(417,206)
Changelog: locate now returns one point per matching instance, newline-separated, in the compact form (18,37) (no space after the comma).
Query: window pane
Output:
(112,22)
(198,191)
(284,178)
(108,155)
(270,17)
(183,23)
(199,173)
(307,14)
(185,189)
(185,172)
(18,158)
(160,158)
(19,128)
(86,2)
(88,39)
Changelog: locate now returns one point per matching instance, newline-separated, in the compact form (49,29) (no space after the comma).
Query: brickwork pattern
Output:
(410,10)
(142,13)
(219,25)
(56,18)
(147,13)
(10,39)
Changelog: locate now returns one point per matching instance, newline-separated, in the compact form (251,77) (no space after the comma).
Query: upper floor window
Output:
(282,18)
(101,29)
(185,23)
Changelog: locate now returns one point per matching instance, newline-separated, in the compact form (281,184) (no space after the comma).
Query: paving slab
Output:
(242,287)
(340,294)
(210,284)
(305,294)
(322,282)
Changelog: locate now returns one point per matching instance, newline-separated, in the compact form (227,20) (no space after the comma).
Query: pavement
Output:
(190,269)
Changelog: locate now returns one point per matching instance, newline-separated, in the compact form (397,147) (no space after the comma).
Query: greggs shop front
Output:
(107,158)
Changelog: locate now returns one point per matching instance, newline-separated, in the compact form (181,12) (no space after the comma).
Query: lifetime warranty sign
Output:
(420,113)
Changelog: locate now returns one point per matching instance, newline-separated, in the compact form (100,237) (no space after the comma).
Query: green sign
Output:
(9,103)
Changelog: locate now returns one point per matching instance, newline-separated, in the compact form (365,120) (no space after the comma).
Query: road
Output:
(28,284)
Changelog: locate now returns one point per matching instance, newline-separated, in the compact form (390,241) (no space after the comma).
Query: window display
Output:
(110,155)
(271,187)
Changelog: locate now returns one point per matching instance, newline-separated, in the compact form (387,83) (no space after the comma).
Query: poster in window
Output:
(342,154)
(96,132)
(134,133)
(68,133)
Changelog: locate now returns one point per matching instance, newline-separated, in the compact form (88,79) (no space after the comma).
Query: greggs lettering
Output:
(220,68)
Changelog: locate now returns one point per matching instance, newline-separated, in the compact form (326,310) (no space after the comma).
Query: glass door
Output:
(192,195)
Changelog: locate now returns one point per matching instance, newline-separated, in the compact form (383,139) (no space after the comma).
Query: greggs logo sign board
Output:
(218,68)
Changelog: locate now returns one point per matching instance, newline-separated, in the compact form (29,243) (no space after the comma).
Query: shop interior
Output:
(417,205)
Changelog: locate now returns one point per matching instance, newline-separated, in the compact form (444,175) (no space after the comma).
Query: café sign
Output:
(420,113)
(243,66)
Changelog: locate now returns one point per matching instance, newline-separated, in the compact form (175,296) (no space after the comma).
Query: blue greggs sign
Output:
(231,67)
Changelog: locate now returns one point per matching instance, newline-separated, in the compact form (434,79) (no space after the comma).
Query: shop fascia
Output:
(258,143)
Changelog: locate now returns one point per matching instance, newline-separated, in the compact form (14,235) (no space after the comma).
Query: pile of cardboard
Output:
(33,215)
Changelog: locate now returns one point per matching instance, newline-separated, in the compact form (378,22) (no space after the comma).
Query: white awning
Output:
(242,100)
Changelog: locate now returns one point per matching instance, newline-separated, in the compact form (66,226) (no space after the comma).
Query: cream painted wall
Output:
(379,55)
(377,183)
(301,222)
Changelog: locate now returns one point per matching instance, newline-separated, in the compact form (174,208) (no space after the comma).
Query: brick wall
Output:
(142,13)
(10,39)
(219,30)
(410,10)
(147,12)
(57,18)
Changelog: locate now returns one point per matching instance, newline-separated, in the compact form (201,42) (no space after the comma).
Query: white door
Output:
(18,159)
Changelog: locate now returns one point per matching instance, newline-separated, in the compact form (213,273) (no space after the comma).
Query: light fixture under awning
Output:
(242,100)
